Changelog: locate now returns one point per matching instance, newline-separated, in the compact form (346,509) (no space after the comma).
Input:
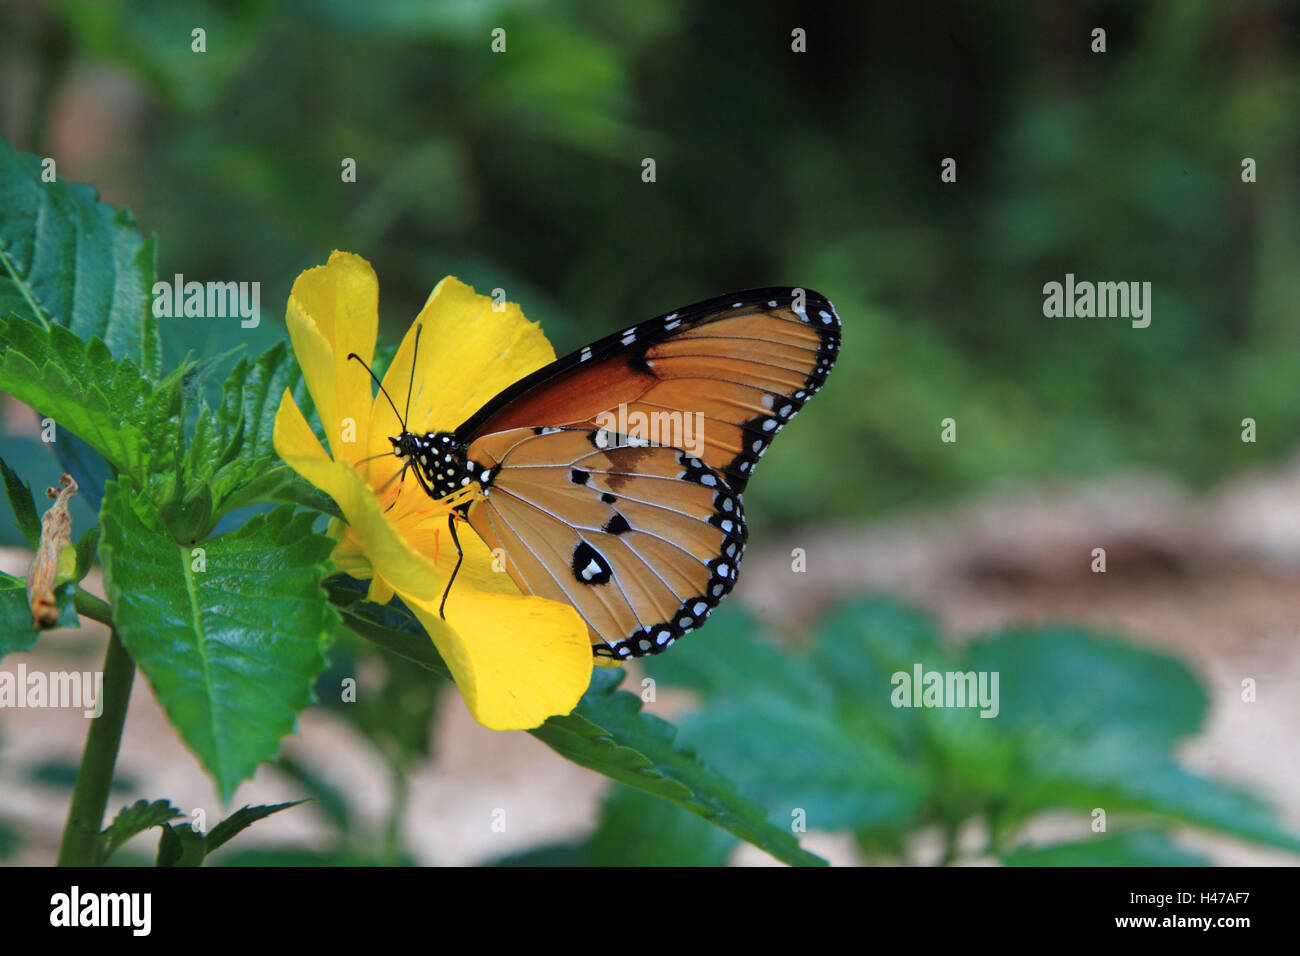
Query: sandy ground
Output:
(1213,578)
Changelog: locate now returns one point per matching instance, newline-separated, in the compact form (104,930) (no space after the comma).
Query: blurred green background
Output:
(521,170)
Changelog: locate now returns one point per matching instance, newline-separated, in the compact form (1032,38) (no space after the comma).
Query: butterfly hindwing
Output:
(644,540)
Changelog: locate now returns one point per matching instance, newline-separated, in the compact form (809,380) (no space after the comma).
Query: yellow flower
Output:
(517,659)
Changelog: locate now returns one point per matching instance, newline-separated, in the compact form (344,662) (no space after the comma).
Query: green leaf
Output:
(1082,685)
(17,632)
(181,846)
(257,388)
(134,423)
(1121,774)
(860,646)
(131,820)
(807,740)
(86,465)
(637,829)
(606,733)
(391,626)
(804,763)
(231,461)
(86,546)
(1081,722)
(23,504)
(242,819)
(1131,848)
(247,470)
(733,664)
(230,638)
(1094,722)
(178,845)
(66,259)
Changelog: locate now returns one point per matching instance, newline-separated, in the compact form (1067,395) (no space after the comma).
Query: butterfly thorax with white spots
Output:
(443,461)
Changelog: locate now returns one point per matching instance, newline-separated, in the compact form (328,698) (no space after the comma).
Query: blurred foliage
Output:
(635,829)
(521,170)
(1084,722)
(1080,722)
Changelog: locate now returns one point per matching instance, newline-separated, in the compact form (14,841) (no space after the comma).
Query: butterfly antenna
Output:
(401,419)
(411,387)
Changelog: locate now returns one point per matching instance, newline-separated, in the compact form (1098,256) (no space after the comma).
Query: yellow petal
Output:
(292,436)
(516,660)
(348,555)
(468,354)
(480,569)
(389,554)
(333,311)
(379,591)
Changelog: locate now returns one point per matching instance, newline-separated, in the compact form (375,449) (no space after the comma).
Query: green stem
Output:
(96,609)
(80,846)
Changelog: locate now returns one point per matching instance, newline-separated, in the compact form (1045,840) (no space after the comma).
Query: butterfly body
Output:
(641,530)
(441,462)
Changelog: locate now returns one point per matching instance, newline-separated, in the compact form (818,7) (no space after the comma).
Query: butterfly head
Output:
(406,445)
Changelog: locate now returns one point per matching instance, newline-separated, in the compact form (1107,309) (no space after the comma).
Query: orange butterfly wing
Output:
(644,538)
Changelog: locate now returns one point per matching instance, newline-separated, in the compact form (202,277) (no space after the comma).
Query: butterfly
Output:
(611,479)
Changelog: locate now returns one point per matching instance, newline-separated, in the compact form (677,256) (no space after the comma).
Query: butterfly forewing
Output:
(747,361)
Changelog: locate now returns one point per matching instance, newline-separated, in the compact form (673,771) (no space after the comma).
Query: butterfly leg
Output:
(460,556)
